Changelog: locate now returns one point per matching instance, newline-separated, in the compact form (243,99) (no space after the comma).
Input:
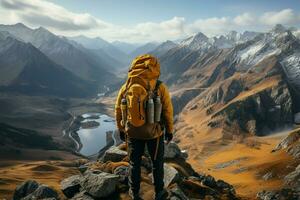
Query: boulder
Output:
(122,172)
(82,168)
(172,151)
(283,194)
(219,185)
(42,192)
(293,179)
(99,184)
(177,194)
(82,196)
(114,154)
(225,187)
(71,185)
(291,139)
(291,144)
(208,180)
(171,175)
(25,189)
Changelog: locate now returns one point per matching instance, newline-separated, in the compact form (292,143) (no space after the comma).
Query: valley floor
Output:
(47,116)
(250,166)
(14,172)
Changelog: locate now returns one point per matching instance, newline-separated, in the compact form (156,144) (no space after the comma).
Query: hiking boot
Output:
(134,196)
(162,195)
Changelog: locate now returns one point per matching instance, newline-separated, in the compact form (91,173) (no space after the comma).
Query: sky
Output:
(140,21)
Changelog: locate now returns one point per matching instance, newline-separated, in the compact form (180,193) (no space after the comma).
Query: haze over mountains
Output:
(225,89)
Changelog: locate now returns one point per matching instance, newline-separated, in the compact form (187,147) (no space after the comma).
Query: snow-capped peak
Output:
(196,42)
(278,28)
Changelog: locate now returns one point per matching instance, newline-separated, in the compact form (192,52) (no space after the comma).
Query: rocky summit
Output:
(107,178)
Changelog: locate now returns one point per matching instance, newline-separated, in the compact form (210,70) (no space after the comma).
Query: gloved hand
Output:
(168,137)
(122,135)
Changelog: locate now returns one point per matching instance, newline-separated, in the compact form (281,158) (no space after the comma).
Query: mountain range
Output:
(249,60)
(235,98)
(25,69)
(230,94)
(93,68)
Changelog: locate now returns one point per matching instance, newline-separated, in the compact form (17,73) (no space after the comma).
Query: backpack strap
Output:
(158,82)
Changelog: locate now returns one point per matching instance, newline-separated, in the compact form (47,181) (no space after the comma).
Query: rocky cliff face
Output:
(259,113)
(250,87)
(291,188)
(108,179)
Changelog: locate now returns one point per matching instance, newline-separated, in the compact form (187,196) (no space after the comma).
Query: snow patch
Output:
(291,66)
(250,51)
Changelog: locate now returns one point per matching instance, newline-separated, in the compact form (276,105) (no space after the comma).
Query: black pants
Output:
(136,151)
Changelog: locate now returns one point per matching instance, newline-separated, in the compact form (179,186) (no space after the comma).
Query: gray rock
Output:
(225,187)
(288,141)
(42,192)
(122,172)
(99,184)
(71,185)
(172,151)
(283,194)
(291,144)
(268,176)
(184,154)
(25,189)
(213,187)
(82,196)
(171,175)
(208,181)
(177,194)
(293,179)
(82,168)
(114,154)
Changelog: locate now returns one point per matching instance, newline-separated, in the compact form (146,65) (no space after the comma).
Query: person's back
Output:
(143,113)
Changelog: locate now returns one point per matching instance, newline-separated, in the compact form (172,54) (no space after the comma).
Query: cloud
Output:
(14,5)
(211,26)
(169,29)
(245,19)
(59,20)
(50,15)
(286,16)
(64,25)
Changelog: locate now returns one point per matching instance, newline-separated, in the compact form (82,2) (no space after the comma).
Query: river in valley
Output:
(99,135)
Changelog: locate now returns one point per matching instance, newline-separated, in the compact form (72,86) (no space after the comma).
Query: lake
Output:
(95,138)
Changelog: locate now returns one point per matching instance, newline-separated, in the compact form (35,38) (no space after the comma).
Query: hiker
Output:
(144,116)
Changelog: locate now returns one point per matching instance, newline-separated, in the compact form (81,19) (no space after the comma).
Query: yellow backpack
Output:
(142,83)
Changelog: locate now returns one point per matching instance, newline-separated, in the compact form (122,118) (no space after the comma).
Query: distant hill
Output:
(146,48)
(19,137)
(163,48)
(99,44)
(82,63)
(125,47)
(25,69)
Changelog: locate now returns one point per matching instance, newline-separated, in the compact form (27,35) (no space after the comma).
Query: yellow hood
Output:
(145,67)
